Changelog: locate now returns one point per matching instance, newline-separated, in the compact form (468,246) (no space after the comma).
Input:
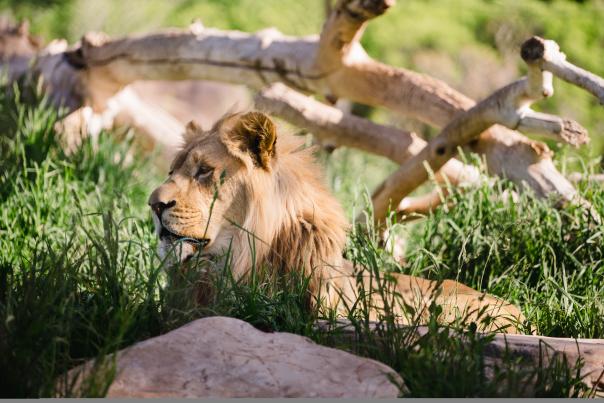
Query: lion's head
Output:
(235,187)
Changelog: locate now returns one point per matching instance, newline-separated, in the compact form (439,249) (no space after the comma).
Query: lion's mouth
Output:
(174,237)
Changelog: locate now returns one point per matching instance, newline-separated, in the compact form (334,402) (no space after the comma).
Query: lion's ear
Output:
(256,134)
(192,130)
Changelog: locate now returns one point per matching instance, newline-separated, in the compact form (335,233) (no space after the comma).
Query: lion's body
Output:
(265,201)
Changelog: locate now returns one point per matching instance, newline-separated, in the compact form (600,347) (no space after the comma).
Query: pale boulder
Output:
(226,357)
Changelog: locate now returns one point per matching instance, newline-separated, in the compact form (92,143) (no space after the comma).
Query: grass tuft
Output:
(80,278)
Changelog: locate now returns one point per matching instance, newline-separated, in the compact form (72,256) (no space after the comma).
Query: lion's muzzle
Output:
(170,239)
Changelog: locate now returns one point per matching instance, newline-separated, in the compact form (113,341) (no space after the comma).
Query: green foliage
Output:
(549,261)
(79,278)
(75,281)
(436,360)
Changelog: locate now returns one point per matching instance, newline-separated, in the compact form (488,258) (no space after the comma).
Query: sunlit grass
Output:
(80,278)
(548,261)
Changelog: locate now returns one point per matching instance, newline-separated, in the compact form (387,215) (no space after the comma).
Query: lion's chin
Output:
(176,252)
(174,248)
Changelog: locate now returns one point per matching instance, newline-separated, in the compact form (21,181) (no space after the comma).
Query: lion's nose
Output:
(159,207)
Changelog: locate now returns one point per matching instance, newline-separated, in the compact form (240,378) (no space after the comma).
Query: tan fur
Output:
(272,206)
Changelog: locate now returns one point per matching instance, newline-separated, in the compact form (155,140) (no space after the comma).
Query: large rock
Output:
(226,357)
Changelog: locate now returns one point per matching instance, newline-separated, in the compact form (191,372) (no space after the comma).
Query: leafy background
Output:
(473,45)
(79,276)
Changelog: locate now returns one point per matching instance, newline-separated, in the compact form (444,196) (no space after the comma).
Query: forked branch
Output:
(334,65)
(509,106)
(546,54)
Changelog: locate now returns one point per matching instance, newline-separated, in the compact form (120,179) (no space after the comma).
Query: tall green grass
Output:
(548,261)
(77,275)
(80,278)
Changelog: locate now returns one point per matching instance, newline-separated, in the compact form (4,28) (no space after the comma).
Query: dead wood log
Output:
(62,83)
(334,64)
(509,106)
(17,47)
(578,177)
(337,128)
(533,352)
(415,206)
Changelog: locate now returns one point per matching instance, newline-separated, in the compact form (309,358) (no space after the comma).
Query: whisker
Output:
(191,225)
(185,210)
(186,220)
(185,215)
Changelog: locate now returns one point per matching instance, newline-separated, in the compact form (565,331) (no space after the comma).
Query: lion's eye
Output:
(204,172)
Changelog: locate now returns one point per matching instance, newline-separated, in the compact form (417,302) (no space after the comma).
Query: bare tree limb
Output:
(553,127)
(343,29)
(65,88)
(60,79)
(578,177)
(267,57)
(337,128)
(161,127)
(106,66)
(508,106)
(546,54)
(507,153)
(422,205)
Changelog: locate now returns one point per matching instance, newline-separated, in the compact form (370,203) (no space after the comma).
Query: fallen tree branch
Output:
(509,106)
(553,127)
(64,87)
(343,29)
(97,68)
(578,177)
(532,351)
(546,54)
(337,128)
(266,57)
(410,207)
(507,153)
(131,110)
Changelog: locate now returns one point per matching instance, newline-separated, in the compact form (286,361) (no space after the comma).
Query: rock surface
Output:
(226,357)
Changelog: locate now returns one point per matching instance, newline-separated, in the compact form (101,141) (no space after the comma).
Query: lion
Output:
(237,179)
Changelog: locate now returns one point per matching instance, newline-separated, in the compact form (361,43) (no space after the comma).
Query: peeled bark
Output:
(336,128)
(508,106)
(333,64)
